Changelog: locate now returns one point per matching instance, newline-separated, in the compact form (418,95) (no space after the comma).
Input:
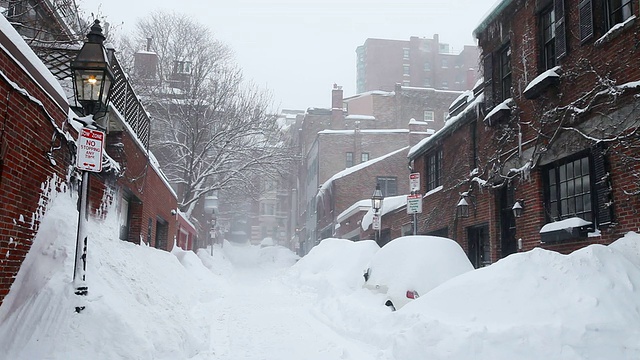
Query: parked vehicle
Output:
(410,266)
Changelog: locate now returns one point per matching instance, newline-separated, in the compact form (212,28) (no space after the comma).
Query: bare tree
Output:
(210,130)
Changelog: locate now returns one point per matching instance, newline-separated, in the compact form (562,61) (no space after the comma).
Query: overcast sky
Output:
(299,48)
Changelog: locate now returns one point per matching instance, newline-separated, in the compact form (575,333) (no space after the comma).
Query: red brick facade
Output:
(545,135)
(37,147)
(31,123)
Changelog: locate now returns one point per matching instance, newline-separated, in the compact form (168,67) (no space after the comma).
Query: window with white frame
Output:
(405,53)
(429,115)
(618,11)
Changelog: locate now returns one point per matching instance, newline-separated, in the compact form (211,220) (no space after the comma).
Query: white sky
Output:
(299,48)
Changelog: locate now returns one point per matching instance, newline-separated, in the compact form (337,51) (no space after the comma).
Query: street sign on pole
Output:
(414,204)
(376,222)
(414,182)
(90,150)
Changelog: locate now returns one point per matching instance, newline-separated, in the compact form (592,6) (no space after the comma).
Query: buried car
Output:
(410,266)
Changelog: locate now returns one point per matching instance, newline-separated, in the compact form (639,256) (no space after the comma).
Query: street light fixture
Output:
(376,203)
(463,207)
(92,79)
(92,75)
(518,208)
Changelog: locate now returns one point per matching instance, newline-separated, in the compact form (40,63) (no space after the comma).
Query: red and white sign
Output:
(414,204)
(376,222)
(414,182)
(90,150)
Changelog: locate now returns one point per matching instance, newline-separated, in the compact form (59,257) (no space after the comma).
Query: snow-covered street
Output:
(262,318)
(252,302)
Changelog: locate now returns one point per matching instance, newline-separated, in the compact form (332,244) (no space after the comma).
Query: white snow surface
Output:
(564,224)
(247,302)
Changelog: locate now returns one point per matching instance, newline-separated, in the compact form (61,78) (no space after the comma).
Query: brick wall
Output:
(27,134)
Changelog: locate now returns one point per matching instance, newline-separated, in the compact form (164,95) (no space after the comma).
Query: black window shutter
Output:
(488,80)
(604,209)
(585,9)
(561,34)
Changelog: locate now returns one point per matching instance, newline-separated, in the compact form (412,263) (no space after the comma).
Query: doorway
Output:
(479,245)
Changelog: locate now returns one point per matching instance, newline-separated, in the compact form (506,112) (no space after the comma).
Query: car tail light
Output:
(412,294)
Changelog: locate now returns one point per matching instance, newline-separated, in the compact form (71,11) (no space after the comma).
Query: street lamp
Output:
(376,203)
(92,78)
(92,75)
(518,208)
(463,207)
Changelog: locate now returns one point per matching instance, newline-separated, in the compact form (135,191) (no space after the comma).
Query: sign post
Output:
(414,200)
(88,159)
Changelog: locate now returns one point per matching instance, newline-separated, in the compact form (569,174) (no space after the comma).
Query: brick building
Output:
(418,62)
(38,147)
(552,133)
(354,131)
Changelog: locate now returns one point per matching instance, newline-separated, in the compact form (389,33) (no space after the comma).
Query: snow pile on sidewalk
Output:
(138,307)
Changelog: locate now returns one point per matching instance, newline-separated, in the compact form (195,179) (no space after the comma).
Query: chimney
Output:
(337,108)
(149,40)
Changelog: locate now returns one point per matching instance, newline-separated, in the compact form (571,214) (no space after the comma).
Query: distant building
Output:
(418,62)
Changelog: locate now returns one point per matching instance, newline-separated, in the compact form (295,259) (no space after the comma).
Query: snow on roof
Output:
(448,125)
(32,58)
(570,223)
(356,207)
(553,72)
(360,117)
(414,88)
(413,121)
(491,15)
(355,168)
(389,204)
(365,131)
(369,93)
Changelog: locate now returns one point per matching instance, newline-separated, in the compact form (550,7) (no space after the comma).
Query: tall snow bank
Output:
(534,305)
(123,278)
(335,265)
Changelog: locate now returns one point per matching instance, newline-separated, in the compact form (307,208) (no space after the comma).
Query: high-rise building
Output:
(418,62)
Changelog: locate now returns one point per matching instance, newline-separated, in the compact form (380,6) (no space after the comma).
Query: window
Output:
(445,63)
(405,70)
(429,115)
(548,26)
(569,190)
(427,82)
(406,83)
(505,73)
(364,157)
(349,159)
(182,67)
(388,185)
(427,66)
(618,11)
(445,84)
(405,53)
(434,169)
(445,116)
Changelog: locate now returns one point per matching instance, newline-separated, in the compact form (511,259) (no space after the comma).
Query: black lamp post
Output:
(214,221)
(92,78)
(376,203)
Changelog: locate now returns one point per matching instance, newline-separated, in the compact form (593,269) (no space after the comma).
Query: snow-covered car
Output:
(410,266)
